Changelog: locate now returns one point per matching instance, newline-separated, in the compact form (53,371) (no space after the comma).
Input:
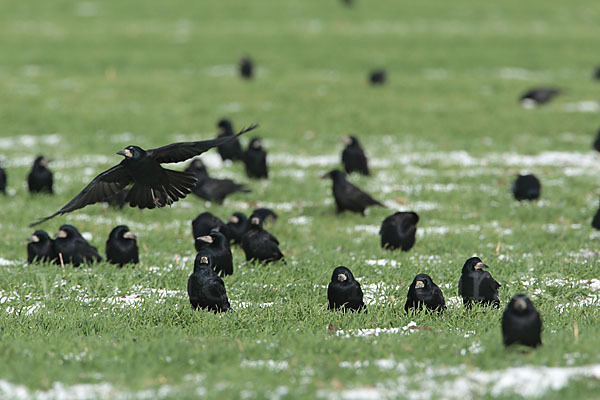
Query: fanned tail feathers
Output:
(180,185)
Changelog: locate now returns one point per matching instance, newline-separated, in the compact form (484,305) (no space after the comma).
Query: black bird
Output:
(353,157)
(212,189)
(538,96)
(596,144)
(264,214)
(521,323)
(205,223)
(3,180)
(423,291)
(398,231)
(205,288)
(378,77)
(344,291)
(347,196)
(153,185)
(40,178)
(260,245)
(246,68)
(72,248)
(348,3)
(237,226)
(231,150)
(596,220)
(476,285)
(40,248)
(597,73)
(218,246)
(526,187)
(117,200)
(255,160)
(121,246)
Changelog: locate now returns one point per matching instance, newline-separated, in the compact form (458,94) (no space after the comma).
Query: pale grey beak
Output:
(33,239)
(125,153)
(419,285)
(342,277)
(520,305)
(479,266)
(234,220)
(206,238)
(60,234)
(255,221)
(129,235)
(203,260)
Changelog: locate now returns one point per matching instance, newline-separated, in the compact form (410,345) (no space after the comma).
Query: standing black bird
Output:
(264,214)
(153,185)
(476,285)
(423,291)
(212,189)
(117,200)
(347,196)
(246,67)
(40,178)
(237,226)
(40,248)
(537,96)
(3,180)
(527,187)
(596,220)
(260,245)
(205,288)
(205,223)
(353,157)
(378,77)
(121,246)
(72,248)
(521,322)
(231,150)
(597,73)
(255,160)
(596,144)
(398,231)
(218,246)
(344,291)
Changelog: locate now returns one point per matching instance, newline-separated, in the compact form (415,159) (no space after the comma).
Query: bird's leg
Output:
(154,199)
(62,262)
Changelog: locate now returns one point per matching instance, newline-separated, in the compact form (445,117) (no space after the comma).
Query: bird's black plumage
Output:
(218,246)
(153,185)
(231,150)
(255,160)
(424,292)
(40,248)
(237,226)
(476,285)
(378,77)
(596,220)
(205,288)
(121,246)
(260,245)
(597,73)
(206,222)
(537,96)
(527,187)
(40,179)
(264,214)
(344,291)
(212,189)
(347,196)
(3,180)
(353,157)
(398,231)
(521,323)
(596,143)
(117,200)
(246,67)
(72,248)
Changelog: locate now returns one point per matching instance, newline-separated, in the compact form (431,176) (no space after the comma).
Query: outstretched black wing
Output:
(104,185)
(177,152)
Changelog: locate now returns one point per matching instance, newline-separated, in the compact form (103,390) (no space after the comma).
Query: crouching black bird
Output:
(121,246)
(527,187)
(231,150)
(378,77)
(153,185)
(72,248)
(259,245)
(40,248)
(212,189)
(353,157)
(344,291)
(206,222)
(536,96)
(246,67)
(521,323)
(347,196)
(424,292)
(40,178)
(264,214)
(398,231)
(3,180)
(255,160)
(205,289)
(217,245)
(476,285)
(596,220)
(236,226)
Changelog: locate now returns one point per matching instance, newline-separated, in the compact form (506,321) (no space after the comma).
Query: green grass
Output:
(439,136)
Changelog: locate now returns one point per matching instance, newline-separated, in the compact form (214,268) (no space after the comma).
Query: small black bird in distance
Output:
(521,323)
(378,77)
(121,246)
(117,200)
(596,220)
(348,3)
(398,231)
(344,291)
(3,180)
(205,288)
(347,196)
(212,189)
(264,214)
(218,246)
(40,248)
(537,96)
(255,160)
(476,285)
(259,245)
(237,226)
(526,187)
(153,185)
(72,248)
(597,73)
(596,144)
(246,67)
(40,178)
(353,157)
(205,223)
(424,292)
(231,150)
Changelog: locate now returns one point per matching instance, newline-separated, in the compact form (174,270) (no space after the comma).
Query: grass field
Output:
(80,80)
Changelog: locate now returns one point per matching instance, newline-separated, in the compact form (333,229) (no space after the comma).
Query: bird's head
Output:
(334,175)
(473,264)
(520,304)
(342,274)
(41,161)
(66,231)
(38,236)
(122,232)
(351,141)
(132,152)
(422,282)
(203,261)
(225,126)
(255,221)
(255,144)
